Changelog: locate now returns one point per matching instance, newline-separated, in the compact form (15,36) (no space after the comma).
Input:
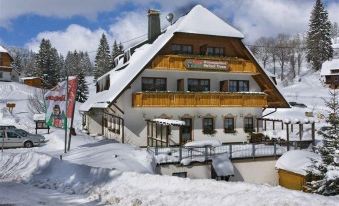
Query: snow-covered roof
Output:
(173,122)
(222,165)
(199,21)
(2,49)
(328,66)
(37,117)
(202,21)
(296,161)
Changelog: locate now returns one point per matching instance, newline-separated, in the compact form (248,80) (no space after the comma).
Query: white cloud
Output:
(253,17)
(77,37)
(10,9)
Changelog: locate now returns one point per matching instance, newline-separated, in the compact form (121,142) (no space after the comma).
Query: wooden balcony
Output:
(199,99)
(205,63)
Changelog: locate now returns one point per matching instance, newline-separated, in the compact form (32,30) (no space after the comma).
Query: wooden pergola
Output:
(158,131)
(289,125)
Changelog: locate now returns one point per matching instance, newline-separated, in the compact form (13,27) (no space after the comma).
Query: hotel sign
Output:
(206,64)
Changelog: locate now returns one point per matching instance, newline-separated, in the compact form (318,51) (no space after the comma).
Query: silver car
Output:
(19,138)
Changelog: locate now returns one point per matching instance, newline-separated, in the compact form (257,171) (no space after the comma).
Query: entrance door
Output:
(186,131)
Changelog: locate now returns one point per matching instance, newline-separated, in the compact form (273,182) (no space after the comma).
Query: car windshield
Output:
(21,132)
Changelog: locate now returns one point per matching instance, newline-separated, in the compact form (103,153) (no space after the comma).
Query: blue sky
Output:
(78,24)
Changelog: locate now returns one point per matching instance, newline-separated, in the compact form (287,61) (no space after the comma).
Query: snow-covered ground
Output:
(97,171)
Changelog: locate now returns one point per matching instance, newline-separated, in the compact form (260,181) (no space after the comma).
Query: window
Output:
(239,86)
(215,51)
(12,135)
(208,125)
(198,85)
(2,134)
(180,174)
(153,84)
(1,75)
(248,124)
(229,125)
(182,49)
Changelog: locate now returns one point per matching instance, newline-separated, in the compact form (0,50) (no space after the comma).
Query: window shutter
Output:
(224,86)
(180,85)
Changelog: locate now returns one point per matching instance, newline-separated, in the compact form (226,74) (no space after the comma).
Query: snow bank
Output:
(110,187)
(296,161)
(203,143)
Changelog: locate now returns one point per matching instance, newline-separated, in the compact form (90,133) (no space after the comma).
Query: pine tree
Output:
(114,54)
(17,62)
(102,59)
(47,64)
(319,44)
(323,176)
(82,91)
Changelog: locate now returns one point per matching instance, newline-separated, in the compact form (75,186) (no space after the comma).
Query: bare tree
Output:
(36,102)
(261,50)
(283,50)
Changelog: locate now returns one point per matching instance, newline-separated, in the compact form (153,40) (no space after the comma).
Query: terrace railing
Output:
(201,154)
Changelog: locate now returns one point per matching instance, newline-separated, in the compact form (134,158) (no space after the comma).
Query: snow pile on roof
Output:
(222,165)
(296,161)
(328,66)
(111,187)
(37,117)
(198,20)
(203,143)
(201,21)
(2,49)
(173,122)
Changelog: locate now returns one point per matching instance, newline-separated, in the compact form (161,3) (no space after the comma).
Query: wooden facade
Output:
(291,180)
(33,82)
(198,99)
(177,62)
(332,81)
(5,60)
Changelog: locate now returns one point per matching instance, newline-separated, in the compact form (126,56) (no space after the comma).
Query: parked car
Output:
(2,127)
(19,138)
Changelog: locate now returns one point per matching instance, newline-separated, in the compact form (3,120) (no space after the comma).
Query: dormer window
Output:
(182,49)
(127,56)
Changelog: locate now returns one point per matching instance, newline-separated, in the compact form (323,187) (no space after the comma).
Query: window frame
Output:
(227,130)
(237,86)
(246,128)
(214,49)
(180,48)
(208,130)
(153,84)
(199,85)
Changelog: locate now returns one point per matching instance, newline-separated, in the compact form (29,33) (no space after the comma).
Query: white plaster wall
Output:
(255,171)
(94,122)
(252,171)
(135,124)
(193,172)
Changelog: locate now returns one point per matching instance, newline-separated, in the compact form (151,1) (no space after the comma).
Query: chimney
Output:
(153,25)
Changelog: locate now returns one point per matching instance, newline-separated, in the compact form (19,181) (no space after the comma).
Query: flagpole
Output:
(66,111)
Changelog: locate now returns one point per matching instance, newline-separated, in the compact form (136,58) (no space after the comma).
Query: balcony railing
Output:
(206,63)
(199,99)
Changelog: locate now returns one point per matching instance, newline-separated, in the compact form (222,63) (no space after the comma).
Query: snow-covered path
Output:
(27,195)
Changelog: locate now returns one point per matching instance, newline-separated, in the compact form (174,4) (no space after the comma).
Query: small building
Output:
(7,73)
(330,73)
(32,81)
(292,168)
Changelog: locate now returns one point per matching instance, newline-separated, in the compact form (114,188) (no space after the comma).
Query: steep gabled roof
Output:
(198,21)
(202,21)
(3,50)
